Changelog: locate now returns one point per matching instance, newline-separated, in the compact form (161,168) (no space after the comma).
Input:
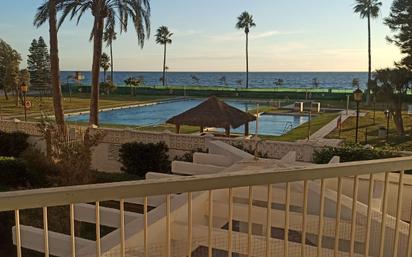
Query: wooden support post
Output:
(227,131)
(247,129)
(177,129)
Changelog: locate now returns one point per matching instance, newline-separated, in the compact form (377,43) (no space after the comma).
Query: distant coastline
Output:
(336,80)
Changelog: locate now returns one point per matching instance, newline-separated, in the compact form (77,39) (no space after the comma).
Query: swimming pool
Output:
(157,114)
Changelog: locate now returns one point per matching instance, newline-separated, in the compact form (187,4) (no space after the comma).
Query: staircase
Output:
(223,158)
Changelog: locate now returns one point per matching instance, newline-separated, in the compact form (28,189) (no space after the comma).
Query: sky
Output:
(299,35)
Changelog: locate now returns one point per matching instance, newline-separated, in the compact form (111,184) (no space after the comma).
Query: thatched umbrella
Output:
(213,113)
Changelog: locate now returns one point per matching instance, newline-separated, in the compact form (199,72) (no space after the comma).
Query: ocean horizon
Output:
(335,80)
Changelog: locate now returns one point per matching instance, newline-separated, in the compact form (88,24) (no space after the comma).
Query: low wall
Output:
(106,154)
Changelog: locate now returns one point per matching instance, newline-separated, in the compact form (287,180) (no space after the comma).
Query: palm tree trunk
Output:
(247,60)
(369,61)
(164,65)
(54,68)
(97,52)
(111,62)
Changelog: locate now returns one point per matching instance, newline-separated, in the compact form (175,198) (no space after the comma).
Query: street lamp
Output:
(24,88)
(388,116)
(357,96)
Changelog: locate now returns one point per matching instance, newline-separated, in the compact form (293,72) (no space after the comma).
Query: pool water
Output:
(157,114)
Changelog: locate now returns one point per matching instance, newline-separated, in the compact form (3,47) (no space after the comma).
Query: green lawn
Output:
(348,131)
(301,132)
(78,102)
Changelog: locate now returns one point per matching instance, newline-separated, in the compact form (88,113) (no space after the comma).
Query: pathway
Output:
(319,136)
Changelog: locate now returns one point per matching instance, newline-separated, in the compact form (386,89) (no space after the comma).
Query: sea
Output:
(335,80)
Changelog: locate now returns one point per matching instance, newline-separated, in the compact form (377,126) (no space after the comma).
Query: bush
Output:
(13,172)
(139,158)
(349,153)
(13,144)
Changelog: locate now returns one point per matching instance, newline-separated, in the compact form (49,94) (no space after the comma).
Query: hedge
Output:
(13,172)
(349,153)
(13,144)
(139,158)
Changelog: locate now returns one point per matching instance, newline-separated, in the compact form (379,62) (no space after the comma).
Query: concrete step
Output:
(188,168)
(212,159)
(231,152)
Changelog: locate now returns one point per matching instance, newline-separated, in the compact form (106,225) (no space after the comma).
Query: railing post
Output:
(189,224)
(383,220)
(321,211)
(122,230)
(353,223)
(338,214)
(210,228)
(287,213)
(250,225)
(304,218)
(398,213)
(369,214)
(45,233)
(72,231)
(18,235)
(269,220)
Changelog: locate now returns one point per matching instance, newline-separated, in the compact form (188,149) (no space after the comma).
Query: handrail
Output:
(38,198)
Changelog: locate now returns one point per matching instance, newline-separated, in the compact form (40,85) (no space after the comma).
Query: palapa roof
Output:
(213,113)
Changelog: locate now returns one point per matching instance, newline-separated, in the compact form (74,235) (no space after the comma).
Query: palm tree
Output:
(368,9)
(163,37)
(48,11)
(245,21)
(110,11)
(109,36)
(104,64)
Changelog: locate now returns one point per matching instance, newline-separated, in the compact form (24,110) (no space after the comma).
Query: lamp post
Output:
(357,96)
(388,116)
(24,88)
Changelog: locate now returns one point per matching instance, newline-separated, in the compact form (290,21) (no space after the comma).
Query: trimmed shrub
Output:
(13,172)
(13,144)
(349,153)
(139,158)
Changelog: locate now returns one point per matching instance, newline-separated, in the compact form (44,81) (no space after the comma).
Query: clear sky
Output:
(299,35)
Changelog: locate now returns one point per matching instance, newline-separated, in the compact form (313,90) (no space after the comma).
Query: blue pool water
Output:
(157,114)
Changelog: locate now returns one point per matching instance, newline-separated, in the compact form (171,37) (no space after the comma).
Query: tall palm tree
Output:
(109,36)
(104,64)
(48,11)
(245,22)
(163,37)
(110,11)
(368,9)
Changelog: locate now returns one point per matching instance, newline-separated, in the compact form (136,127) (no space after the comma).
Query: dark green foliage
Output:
(139,158)
(38,64)
(188,157)
(9,68)
(40,169)
(13,144)
(106,177)
(13,172)
(349,153)
(399,21)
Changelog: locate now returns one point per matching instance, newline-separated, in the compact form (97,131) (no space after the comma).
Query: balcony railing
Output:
(327,210)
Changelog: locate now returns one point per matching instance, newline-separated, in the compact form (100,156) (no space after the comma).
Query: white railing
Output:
(202,211)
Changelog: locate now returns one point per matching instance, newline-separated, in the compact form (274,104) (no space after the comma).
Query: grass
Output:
(301,132)
(78,102)
(366,123)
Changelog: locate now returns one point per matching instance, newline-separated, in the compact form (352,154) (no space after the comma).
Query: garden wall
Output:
(106,154)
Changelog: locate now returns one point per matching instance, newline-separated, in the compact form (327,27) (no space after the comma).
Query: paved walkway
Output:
(319,136)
